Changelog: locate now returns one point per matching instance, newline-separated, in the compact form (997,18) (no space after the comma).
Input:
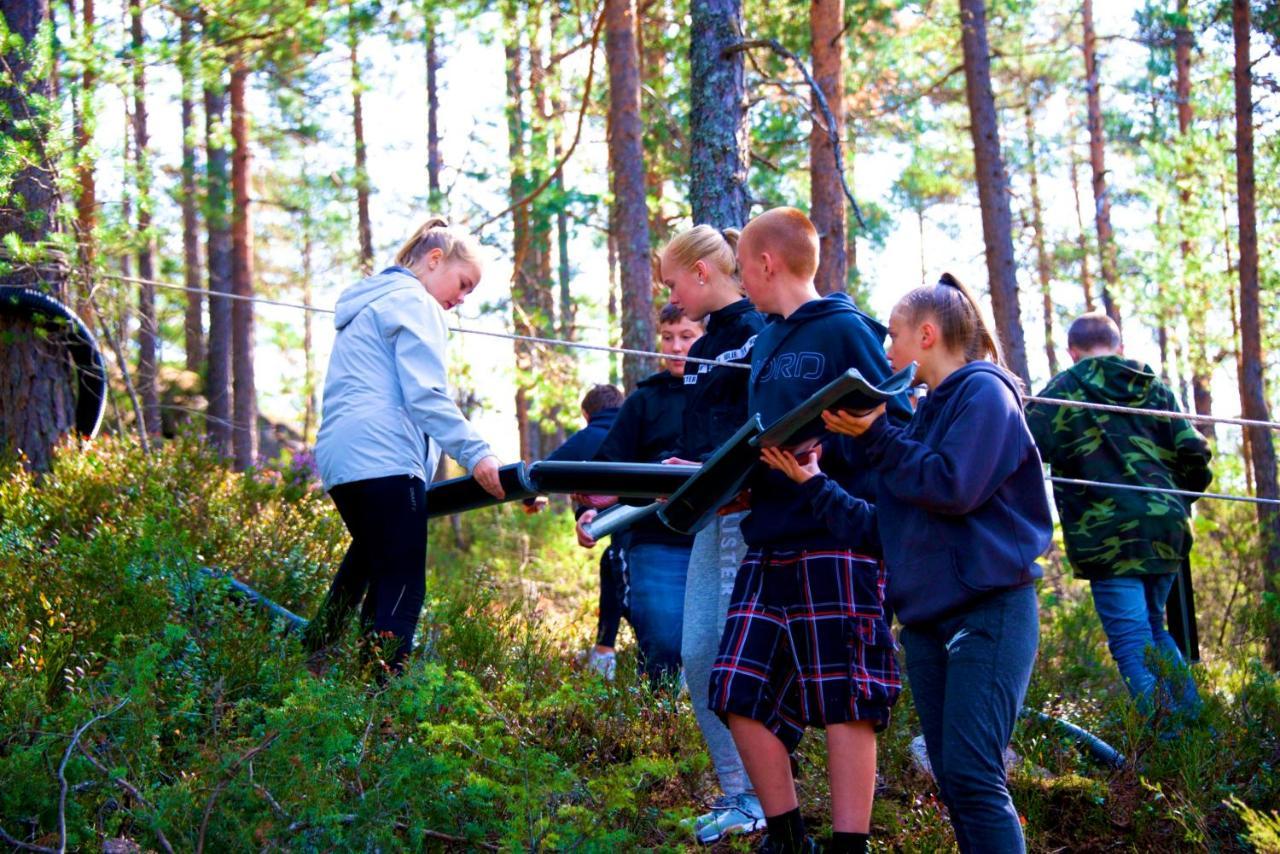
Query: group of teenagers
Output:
(930,509)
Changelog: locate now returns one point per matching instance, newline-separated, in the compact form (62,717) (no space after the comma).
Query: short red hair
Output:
(788,235)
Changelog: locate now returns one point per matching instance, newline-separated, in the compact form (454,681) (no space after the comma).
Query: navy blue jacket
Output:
(792,358)
(960,507)
(583,445)
(716,402)
(647,430)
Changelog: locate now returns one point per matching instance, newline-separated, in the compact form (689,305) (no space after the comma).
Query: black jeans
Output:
(386,565)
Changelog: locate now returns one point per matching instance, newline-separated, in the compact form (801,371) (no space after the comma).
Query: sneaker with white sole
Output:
(603,663)
(739,813)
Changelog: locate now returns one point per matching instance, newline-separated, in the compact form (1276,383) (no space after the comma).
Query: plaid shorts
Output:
(806,643)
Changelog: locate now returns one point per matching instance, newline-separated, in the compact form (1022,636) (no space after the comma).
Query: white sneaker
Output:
(604,663)
(739,813)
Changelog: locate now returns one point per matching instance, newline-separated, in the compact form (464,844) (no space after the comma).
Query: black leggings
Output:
(386,564)
(613,597)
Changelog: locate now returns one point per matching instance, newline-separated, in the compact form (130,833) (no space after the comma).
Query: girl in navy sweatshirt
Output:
(960,516)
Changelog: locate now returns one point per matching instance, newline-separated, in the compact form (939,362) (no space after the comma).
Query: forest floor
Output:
(140,704)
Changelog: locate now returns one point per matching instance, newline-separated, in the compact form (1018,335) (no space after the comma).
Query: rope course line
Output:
(582,345)
(1156,413)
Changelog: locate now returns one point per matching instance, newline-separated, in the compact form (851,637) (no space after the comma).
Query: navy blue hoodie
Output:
(792,358)
(960,507)
(647,430)
(583,445)
(716,401)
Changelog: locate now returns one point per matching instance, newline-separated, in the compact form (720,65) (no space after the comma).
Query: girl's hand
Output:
(486,474)
(584,539)
(597,502)
(787,463)
(848,423)
(676,461)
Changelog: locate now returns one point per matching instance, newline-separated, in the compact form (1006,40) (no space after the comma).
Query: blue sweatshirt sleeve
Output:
(984,445)
(846,516)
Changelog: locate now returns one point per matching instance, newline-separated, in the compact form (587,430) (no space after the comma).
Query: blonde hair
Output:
(716,247)
(436,233)
(790,235)
(954,308)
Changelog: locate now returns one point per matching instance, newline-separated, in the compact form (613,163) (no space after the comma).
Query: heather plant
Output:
(140,699)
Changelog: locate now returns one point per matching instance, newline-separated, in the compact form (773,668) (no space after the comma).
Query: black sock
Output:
(786,831)
(848,843)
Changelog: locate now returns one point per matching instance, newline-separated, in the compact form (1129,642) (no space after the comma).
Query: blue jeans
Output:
(968,675)
(1131,608)
(655,604)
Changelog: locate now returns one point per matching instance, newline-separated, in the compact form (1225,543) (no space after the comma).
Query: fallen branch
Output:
(226,780)
(130,790)
(25,846)
(62,771)
(448,837)
(820,98)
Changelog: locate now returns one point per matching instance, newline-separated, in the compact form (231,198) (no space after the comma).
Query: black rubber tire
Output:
(91,370)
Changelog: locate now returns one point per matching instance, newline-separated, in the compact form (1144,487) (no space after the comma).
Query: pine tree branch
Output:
(820,98)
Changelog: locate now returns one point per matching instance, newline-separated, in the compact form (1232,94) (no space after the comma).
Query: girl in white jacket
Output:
(387,414)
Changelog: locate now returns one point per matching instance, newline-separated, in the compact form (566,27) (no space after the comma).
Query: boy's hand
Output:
(584,539)
(740,502)
(596,502)
(848,423)
(799,469)
(677,461)
(535,505)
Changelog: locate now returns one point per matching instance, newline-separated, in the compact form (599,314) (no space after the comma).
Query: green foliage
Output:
(494,735)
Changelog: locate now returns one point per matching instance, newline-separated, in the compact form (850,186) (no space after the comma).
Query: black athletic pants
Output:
(386,565)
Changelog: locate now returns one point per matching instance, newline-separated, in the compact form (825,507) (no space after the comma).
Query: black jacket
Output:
(647,430)
(716,405)
(583,445)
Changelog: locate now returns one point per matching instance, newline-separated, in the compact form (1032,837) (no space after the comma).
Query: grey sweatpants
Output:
(718,550)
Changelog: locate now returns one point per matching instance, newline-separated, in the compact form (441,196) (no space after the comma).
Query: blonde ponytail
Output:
(717,248)
(436,233)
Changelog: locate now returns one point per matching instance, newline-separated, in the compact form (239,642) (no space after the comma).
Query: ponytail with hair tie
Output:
(436,233)
(955,309)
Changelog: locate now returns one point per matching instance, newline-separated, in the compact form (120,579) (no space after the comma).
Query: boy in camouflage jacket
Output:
(1129,545)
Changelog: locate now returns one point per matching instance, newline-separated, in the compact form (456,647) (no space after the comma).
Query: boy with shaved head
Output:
(807,642)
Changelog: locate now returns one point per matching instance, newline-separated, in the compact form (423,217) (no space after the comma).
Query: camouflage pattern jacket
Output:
(1111,532)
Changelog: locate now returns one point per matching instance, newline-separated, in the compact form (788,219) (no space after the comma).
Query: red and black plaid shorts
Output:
(806,643)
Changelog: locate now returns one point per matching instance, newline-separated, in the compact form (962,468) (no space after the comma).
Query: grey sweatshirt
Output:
(387,387)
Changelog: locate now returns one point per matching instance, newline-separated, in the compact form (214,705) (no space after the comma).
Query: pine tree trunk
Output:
(611,308)
(364,226)
(1097,161)
(193,321)
(147,330)
(718,144)
(219,249)
(1254,382)
(653,21)
(826,196)
(1044,266)
(245,434)
(518,186)
(1082,239)
(37,400)
(86,198)
(434,162)
(565,309)
(626,165)
(993,185)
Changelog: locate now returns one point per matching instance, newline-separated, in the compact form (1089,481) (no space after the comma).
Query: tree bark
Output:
(37,401)
(219,250)
(244,436)
(434,162)
(147,329)
(826,196)
(993,185)
(521,322)
(1044,266)
(1082,239)
(653,20)
(193,321)
(86,198)
(626,165)
(364,226)
(718,143)
(1097,161)
(1254,383)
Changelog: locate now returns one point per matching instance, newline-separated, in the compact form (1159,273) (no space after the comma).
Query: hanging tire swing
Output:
(91,369)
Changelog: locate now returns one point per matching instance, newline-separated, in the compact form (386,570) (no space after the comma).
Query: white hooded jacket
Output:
(387,387)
